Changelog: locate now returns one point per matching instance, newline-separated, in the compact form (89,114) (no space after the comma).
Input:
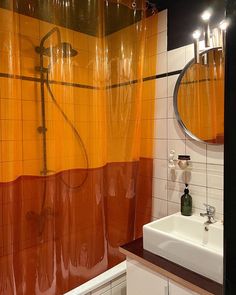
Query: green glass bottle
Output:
(186,202)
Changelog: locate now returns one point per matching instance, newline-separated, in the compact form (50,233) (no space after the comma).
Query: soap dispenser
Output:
(186,202)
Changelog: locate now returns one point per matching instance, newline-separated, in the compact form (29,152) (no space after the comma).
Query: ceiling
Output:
(85,16)
(79,15)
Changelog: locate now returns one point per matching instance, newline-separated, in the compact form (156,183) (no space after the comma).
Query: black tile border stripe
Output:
(155,77)
(73,84)
(35,79)
(200,81)
(123,84)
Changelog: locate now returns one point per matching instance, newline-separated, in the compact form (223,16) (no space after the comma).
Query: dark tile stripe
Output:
(200,81)
(35,79)
(123,84)
(155,77)
(73,84)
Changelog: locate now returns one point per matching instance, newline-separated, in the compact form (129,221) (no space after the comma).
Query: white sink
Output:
(185,241)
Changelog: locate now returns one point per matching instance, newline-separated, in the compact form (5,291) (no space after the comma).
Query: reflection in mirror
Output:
(199,98)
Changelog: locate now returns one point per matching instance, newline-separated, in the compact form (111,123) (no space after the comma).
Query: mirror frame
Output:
(175,100)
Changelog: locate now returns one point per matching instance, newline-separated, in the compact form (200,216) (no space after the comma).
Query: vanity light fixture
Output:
(206,19)
(223,27)
(216,38)
(207,15)
(196,36)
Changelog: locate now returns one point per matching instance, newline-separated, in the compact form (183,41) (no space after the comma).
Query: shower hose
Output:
(76,133)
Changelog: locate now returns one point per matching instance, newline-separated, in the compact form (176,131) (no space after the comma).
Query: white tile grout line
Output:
(100,280)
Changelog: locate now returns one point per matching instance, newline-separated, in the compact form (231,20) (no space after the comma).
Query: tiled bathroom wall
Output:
(206,177)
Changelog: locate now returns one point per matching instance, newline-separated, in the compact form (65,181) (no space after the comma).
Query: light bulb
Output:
(224,25)
(196,34)
(206,15)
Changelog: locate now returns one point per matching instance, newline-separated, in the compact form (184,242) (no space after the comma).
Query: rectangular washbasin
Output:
(185,241)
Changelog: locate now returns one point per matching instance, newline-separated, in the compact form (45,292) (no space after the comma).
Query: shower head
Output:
(63,49)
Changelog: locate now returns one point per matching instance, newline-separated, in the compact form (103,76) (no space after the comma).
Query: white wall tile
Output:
(160,149)
(175,191)
(160,168)
(177,175)
(199,196)
(215,154)
(198,176)
(162,21)
(171,84)
(162,42)
(196,150)
(160,129)
(174,130)
(161,64)
(176,59)
(170,108)
(159,188)
(161,88)
(215,198)
(215,176)
(161,108)
(159,208)
(178,145)
(189,53)
(173,208)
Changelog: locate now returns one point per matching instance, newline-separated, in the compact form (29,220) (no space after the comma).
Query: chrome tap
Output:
(210,213)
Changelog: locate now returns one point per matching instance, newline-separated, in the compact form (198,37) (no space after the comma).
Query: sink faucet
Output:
(210,213)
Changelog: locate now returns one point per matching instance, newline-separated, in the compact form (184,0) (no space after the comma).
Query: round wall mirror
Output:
(199,97)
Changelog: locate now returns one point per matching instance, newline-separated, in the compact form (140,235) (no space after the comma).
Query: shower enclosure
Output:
(76,174)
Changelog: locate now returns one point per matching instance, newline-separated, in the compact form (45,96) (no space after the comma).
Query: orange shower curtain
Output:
(63,226)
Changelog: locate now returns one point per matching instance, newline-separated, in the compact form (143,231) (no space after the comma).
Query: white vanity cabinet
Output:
(176,289)
(150,274)
(142,280)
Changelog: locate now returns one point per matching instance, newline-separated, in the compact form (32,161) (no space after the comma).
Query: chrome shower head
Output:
(67,50)
(64,50)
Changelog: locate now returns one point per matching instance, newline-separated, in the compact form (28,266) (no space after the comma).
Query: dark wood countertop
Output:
(136,248)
